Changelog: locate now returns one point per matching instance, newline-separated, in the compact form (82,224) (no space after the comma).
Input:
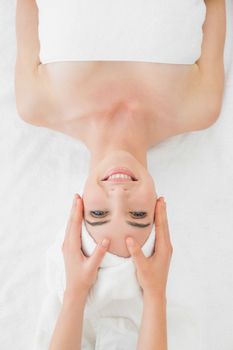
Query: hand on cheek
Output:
(152,272)
(81,271)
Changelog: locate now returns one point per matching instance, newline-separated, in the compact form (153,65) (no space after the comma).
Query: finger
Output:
(74,234)
(95,259)
(161,226)
(72,219)
(135,251)
(166,225)
(72,208)
(69,222)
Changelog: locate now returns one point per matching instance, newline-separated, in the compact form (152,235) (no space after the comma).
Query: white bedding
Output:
(41,170)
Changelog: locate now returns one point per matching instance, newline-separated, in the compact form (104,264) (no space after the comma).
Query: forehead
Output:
(119,229)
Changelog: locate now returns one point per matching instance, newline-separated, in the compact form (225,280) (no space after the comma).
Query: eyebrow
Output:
(132,223)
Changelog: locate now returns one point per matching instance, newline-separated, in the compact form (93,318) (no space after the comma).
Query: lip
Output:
(121,170)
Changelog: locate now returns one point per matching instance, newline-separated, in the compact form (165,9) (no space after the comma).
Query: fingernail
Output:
(74,200)
(76,197)
(163,200)
(105,242)
(130,242)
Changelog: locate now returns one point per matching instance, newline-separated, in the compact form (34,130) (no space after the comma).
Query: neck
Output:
(103,146)
(117,132)
(103,141)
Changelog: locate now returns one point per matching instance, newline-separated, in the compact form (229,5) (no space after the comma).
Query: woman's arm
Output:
(211,62)
(68,331)
(33,95)
(214,32)
(206,87)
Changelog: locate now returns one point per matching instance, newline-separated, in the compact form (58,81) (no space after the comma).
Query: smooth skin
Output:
(153,101)
(81,273)
(72,96)
(96,101)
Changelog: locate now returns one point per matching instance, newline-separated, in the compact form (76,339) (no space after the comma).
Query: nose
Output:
(118,196)
(117,189)
(120,188)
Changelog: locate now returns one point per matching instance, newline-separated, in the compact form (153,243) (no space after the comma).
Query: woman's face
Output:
(117,208)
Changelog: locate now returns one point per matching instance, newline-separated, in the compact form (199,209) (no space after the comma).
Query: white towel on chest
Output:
(165,31)
(114,305)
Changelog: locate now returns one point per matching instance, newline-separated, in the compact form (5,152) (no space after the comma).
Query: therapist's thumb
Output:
(99,253)
(135,251)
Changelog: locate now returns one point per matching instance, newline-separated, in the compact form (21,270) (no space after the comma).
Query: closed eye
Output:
(102,214)
(138,214)
(98,213)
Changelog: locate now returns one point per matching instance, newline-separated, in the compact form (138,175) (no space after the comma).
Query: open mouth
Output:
(119,175)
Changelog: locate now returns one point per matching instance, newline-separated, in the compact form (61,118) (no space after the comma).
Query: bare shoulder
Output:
(203,102)
(32,92)
(34,99)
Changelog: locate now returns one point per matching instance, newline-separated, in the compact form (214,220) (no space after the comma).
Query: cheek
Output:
(95,201)
(93,195)
(150,190)
(147,199)
(147,195)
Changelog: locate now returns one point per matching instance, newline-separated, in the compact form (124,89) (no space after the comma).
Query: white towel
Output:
(163,31)
(114,305)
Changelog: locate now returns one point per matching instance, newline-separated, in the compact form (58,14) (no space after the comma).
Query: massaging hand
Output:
(152,271)
(81,271)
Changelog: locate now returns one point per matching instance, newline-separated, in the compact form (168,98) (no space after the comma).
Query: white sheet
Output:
(42,169)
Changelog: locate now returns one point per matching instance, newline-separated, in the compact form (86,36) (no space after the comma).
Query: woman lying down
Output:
(121,77)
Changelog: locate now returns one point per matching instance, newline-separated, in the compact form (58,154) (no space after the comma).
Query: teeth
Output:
(120,176)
